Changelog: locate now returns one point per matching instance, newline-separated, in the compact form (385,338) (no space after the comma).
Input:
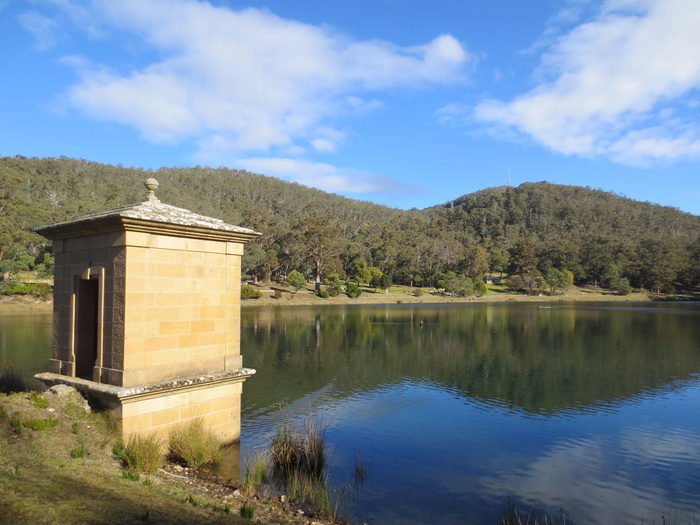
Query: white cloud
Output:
(45,30)
(325,176)
(611,79)
(323,145)
(248,81)
(577,474)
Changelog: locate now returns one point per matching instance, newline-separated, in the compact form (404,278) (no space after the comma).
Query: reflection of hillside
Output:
(25,343)
(542,360)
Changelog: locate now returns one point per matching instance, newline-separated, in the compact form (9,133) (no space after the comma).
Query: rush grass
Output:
(298,461)
(194,446)
(141,453)
(299,451)
(257,470)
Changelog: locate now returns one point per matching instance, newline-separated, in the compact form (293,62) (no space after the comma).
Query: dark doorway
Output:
(86,328)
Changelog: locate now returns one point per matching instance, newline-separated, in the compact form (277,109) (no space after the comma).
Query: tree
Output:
(498,260)
(457,284)
(296,280)
(253,259)
(661,262)
(376,279)
(558,279)
(321,241)
(479,287)
(385,282)
(523,258)
(476,261)
(18,246)
(361,272)
(529,284)
(515,283)
(333,284)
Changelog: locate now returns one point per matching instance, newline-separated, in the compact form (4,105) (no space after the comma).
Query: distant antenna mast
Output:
(508,176)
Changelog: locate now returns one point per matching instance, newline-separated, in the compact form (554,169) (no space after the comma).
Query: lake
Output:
(593,408)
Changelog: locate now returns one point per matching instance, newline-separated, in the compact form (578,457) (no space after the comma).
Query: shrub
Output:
(418,292)
(193,445)
(333,284)
(249,292)
(296,280)
(352,290)
(278,294)
(41,290)
(325,294)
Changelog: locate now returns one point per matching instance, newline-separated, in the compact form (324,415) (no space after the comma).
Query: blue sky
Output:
(401,102)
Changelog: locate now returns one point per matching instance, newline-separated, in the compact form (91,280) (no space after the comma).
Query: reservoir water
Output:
(454,409)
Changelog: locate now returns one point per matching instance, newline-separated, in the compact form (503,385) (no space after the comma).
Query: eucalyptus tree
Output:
(321,243)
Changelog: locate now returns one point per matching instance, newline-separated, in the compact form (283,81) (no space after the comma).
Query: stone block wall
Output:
(169,305)
(218,405)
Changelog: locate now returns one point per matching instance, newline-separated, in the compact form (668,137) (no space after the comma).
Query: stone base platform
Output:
(157,407)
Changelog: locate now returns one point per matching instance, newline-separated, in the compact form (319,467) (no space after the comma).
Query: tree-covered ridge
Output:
(538,233)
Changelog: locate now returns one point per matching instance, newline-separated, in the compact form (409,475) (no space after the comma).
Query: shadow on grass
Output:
(48,496)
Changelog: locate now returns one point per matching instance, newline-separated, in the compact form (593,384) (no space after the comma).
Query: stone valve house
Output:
(147,315)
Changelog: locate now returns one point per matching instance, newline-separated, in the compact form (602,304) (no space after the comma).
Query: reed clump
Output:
(141,453)
(298,462)
(194,446)
(257,470)
(532,515)
(295,451)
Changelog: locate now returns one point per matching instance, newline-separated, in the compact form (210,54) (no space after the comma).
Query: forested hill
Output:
(527,231)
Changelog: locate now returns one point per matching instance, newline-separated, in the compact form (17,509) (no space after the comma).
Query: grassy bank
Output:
(286,296)
(406,295)
(57,466)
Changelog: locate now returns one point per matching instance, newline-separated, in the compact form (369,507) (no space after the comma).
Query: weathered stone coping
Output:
(150,217)
(126,394)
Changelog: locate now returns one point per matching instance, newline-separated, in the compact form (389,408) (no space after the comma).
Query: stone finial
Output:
(152,185)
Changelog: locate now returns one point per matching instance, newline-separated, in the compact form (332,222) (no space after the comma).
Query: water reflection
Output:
(539,360)
(25,343)
(574,407)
